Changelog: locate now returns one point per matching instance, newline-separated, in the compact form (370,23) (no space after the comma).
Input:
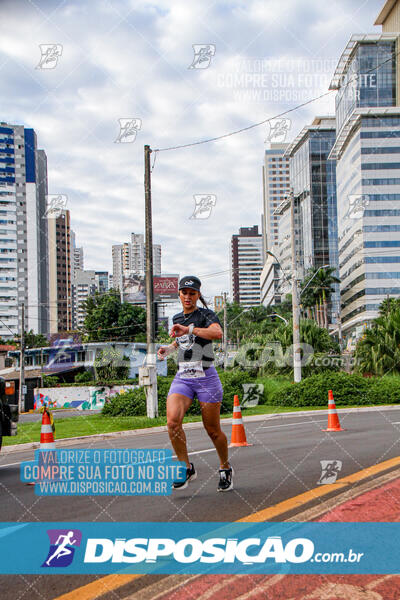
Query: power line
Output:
(226,135)
(282,114)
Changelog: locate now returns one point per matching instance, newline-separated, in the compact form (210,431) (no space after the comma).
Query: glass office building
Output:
(367,153)
(313,180)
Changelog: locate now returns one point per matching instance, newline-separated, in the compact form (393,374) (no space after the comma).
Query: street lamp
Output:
(308,283)
(279,317)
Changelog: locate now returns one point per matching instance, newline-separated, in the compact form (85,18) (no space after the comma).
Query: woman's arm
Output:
(165,351)
(213,332)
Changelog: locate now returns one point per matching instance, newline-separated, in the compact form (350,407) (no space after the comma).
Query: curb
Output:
(198,424)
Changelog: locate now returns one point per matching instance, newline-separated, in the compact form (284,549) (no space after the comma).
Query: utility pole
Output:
(148,374)
(121,278)
(295,300)
(225,334)
(22,363)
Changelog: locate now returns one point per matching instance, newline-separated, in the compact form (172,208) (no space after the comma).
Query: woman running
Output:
(194,329)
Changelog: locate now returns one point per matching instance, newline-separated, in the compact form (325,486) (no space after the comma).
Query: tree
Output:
(107,318)
(317,286)
(378,352)
(110,364)
(32,340)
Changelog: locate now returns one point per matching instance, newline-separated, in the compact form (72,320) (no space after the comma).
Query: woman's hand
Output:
(164,351)
(177,330)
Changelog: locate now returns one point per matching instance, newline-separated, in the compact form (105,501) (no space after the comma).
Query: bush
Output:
(384,390)
(133,403)
(272,385)
(232,384)
(50,381)
(83,377)
(127,404)
(313,391)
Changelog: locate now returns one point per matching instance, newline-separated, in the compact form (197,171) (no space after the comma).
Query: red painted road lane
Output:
(380,504)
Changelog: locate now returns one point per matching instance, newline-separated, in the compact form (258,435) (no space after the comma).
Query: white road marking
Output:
(291,424)
(11,464)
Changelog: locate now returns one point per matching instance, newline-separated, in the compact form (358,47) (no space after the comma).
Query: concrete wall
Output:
(81,398)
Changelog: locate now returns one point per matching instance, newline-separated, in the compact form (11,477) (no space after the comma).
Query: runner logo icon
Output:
(62,547)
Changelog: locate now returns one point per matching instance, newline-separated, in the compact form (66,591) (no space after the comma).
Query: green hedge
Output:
(347,389)
(133,403)
(384,390)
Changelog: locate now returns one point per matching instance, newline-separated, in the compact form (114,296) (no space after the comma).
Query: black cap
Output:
(190,281)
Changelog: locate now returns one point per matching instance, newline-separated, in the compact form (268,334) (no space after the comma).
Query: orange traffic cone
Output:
(333,419)
(46,433)
(238,437)
(46,437)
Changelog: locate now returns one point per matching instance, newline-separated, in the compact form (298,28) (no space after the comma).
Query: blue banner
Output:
(103,472)
(200,548)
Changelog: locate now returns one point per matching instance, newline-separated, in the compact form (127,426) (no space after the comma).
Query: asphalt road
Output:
(283,461)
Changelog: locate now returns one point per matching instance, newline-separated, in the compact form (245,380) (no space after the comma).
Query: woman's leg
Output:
(210,412)
(177,405)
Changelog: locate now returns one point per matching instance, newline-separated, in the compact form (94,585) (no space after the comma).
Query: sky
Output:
(178,71)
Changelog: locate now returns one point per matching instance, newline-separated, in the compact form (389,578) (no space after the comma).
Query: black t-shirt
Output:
(192,347)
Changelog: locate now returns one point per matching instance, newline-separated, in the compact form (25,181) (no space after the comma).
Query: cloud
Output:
(130,59)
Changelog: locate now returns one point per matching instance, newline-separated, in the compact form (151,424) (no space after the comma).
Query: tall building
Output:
(276,186)
(271,290)
(23,241)
(60,284)
(101,280)
(247,264)
(313,181)
(129,259)
(76,256)
(367,152)
(84,286)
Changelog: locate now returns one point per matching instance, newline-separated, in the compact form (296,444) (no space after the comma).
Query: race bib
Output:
(191,370)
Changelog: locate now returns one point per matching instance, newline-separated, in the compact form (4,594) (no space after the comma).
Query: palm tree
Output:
(319,291)
(378,352)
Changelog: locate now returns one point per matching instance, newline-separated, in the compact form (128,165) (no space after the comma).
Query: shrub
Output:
(313,391)
(232,384)
(127,404)
(272,385)
(133,403)
(50,381)
(384,390)
(83,377)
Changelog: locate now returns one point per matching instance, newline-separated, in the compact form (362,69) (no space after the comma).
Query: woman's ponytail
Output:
(204,303)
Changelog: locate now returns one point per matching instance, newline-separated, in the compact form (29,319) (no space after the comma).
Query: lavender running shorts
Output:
(207,389)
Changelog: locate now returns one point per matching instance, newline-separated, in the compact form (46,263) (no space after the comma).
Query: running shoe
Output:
(225,480)
(190,475)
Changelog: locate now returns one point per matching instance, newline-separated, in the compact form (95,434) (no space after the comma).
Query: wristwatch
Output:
(191,327)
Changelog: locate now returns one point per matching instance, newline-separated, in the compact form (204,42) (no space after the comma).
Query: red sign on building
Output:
(165,287)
